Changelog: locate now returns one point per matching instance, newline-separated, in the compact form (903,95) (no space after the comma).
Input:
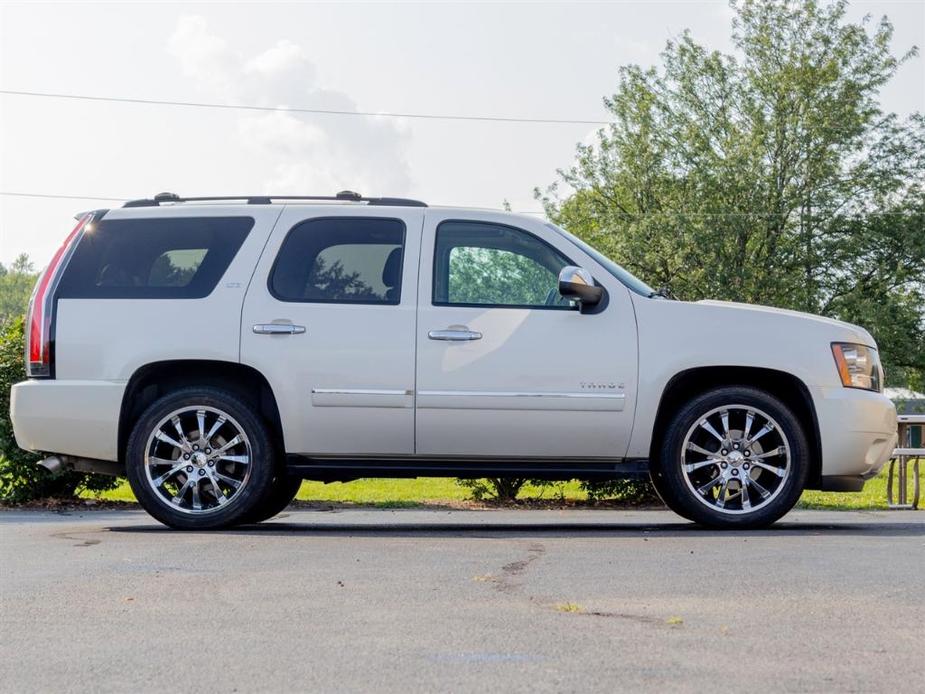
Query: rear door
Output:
(329,320)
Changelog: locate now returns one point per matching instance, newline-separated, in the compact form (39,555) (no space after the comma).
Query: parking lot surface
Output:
(448,600)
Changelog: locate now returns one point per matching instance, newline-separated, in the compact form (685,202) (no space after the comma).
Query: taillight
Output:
(40,317)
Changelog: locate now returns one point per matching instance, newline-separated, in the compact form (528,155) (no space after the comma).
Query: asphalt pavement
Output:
(448,600)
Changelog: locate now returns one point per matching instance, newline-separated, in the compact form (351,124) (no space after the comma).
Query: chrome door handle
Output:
(455,335)
(278,329)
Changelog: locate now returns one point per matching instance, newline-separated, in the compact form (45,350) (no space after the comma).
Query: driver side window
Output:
(484,264)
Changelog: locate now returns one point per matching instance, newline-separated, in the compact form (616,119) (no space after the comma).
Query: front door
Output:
(506,366)
(329,320)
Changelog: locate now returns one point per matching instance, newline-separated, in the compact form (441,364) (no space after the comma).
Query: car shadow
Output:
(284,528)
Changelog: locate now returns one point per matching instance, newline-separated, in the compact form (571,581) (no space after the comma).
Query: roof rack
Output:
(343,196)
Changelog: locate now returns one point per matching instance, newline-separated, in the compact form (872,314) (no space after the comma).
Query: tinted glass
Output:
(164,258)
(481,264)
(341,260)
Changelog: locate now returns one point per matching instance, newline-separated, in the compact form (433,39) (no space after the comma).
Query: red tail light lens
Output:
(40,317)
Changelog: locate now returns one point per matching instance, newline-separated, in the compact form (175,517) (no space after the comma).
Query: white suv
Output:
(217,351)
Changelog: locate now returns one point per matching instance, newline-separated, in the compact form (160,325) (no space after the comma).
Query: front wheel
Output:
(734,457)
(199,459)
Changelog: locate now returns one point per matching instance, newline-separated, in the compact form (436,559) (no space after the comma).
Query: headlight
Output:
(858,366)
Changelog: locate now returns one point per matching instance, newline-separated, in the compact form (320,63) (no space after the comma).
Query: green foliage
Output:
(16,284)
(769,176)
(494,276)
(634,491)
(21,479)
(498,488)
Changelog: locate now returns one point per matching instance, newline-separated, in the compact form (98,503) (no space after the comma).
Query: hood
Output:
(861,334)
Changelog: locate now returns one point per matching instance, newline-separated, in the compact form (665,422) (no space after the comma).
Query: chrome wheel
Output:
(197,460)
(735,459)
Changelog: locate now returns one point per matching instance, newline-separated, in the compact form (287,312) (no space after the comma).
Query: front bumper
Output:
(857,430)
(76,418)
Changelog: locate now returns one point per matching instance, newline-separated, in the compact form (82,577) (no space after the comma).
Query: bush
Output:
(632,491)
(628,491)
(21,479)
(493,488)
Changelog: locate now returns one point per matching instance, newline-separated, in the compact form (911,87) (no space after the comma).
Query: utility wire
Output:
(320,111)
(62,197)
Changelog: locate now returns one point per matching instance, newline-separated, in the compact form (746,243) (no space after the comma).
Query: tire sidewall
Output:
(680,497)
(283,490)
(262,461)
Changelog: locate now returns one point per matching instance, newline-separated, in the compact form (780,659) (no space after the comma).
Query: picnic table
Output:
(911,449)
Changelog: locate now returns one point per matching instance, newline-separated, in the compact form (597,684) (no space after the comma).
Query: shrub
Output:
(632,491)
(21,479)
(493,488)
(628,491)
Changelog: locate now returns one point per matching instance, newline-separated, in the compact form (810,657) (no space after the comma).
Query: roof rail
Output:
(343,196)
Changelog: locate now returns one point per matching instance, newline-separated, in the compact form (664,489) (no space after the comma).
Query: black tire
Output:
(672,483)
(282,492)
(261,468)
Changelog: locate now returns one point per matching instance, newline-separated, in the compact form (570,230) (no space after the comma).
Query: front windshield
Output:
(626,277)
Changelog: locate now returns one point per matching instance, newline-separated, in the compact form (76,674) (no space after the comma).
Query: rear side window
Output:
(162,258)
(341,260)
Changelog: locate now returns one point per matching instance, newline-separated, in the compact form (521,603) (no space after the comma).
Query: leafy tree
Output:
(16,283)
(769,176)
(494,276)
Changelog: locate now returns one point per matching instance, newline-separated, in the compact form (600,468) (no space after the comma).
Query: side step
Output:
(348,469)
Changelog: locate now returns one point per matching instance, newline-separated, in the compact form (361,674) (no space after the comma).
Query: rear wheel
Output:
(199,459)
(734,457)
(282,492)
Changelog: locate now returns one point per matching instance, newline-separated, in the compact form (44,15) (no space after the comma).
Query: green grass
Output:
(873,497)
(389,492)
(436,490)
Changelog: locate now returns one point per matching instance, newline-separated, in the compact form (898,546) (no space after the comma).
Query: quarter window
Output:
(153,258)
(482,264)
(341,260)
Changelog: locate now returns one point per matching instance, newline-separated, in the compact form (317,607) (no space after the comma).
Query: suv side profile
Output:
(217,351)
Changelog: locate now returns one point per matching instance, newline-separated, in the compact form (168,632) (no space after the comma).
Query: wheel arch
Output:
(788,388)
(151,381)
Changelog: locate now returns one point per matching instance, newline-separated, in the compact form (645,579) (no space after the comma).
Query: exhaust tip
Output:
(53,464)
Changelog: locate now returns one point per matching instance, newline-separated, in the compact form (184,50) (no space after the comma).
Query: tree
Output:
(16,284)
(770,176)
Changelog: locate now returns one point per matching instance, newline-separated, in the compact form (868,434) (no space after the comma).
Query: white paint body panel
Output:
(367,380)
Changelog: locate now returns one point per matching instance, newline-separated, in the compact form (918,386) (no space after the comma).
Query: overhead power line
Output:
(317,111)
(62,197)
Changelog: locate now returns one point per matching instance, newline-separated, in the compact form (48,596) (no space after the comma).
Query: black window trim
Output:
(451,304)
(341,302)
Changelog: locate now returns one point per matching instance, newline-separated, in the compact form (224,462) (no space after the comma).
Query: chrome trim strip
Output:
(519,400)
(358,391)
(523,394)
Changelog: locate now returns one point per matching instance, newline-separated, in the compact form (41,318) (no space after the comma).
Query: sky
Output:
(521,60)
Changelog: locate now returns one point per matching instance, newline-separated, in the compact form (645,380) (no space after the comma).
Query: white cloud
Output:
(294,152)
(202,56)
(283,56)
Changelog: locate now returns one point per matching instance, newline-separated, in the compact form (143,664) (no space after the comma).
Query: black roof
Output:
(343,196)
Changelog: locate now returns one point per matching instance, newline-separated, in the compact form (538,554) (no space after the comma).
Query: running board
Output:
(335,469)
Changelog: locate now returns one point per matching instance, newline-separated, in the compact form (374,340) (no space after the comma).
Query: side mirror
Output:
(577,283)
